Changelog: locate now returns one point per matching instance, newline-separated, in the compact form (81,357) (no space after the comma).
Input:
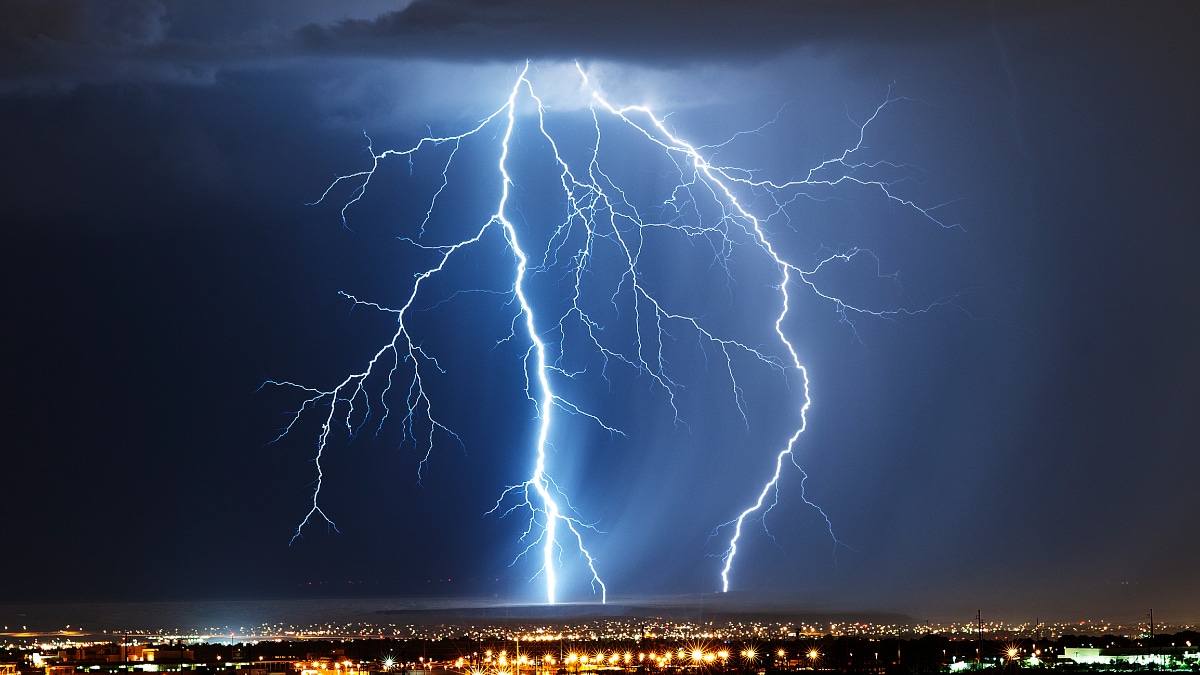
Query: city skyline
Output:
(674,618)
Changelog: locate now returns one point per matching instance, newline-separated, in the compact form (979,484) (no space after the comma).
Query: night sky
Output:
(1029,447)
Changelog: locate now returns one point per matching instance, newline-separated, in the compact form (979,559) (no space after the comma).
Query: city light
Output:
(609,643)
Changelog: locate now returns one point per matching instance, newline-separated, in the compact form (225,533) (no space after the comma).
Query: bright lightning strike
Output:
(600,253)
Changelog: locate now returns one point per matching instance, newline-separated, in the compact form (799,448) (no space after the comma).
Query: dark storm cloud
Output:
(114,24)
(671,31)
(63,43)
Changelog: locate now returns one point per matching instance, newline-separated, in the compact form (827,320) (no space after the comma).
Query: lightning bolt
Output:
(600,244)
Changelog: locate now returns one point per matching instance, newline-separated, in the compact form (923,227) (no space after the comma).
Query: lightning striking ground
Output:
(599,245)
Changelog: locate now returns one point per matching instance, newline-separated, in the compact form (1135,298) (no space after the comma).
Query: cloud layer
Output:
(62,43)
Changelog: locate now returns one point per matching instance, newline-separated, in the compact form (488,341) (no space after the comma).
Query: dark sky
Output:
(1029,448)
